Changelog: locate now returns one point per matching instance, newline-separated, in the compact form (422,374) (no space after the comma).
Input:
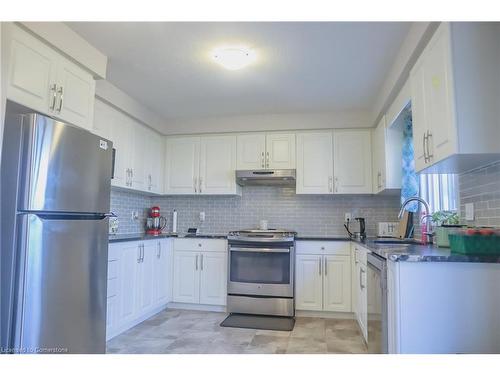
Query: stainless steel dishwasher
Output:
(377,303)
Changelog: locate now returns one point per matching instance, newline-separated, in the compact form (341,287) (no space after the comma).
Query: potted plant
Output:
(446,222)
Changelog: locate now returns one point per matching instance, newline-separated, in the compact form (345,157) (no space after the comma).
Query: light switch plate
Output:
(469,211)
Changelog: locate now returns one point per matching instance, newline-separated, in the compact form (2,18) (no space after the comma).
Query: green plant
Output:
(445,218)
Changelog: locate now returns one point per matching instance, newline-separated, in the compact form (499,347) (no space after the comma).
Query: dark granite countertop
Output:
(144,237)
(423,253)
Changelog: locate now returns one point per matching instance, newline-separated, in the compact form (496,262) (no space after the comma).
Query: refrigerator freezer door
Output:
(63,294)
(66,169)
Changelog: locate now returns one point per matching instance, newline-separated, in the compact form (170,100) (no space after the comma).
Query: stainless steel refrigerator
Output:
(55,197)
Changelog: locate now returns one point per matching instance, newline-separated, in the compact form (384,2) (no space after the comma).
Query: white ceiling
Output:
(301,67)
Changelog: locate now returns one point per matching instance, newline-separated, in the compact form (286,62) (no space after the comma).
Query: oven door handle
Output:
(260,249)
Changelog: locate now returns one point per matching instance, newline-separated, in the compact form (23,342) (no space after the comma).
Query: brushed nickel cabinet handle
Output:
(195,185)
(429,155)
(319,263)
(326,268)
(53,90)
(196,263)
(362,271)
(267,159)
(262,160)
(336,184)
(424,146)
(61,97)
(199,184)
(139,254)
(330,184)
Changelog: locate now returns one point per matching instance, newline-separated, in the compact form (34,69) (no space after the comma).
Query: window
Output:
(440,190)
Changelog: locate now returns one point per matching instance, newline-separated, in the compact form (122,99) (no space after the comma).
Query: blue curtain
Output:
(410,183)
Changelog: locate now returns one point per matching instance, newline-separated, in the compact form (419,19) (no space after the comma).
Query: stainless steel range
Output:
(261,272)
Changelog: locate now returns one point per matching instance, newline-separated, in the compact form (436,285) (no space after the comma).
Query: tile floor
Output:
(198,332)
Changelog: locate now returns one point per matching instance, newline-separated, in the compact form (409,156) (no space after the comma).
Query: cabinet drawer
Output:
(199,244)
(112,269)
(112,287)
(323,247)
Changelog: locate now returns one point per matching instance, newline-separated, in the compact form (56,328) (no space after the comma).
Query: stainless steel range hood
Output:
(266,177)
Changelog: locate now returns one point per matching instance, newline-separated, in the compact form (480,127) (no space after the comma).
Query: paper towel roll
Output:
(174,222)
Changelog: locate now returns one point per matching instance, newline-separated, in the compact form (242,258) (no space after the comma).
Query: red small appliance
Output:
(155,223)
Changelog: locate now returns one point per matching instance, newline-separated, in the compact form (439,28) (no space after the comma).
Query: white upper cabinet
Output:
(201,165)
(42,79)
(266,151)
(314,163)
(353,162)
(251,150)
(76,94)
(182,165)
(280,151)
(455,121)
(386,155)
(139,150)
(217,165)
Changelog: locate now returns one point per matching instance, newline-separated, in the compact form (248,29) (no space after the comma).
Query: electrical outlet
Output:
(135,215)
(202,216)
(347,217)
(469,211)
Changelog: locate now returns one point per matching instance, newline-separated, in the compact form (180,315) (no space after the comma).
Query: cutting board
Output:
(403,225)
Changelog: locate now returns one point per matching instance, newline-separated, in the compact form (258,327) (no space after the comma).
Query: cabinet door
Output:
(352,161)
(251,149)
(213,282)
(129,279)
(139,153)
(280,151)
(182,165)
(186,285)
(438,96)
(308,271)
(154,162)
(162,273)
(314,163)
(32,72)
(362,315)
(76,92)
(337,283)
(419,116)
(120,134)
(111,316)
(146,286)
(378,152)
(102,118)
(217,165)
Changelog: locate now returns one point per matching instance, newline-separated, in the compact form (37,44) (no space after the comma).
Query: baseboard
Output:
(133,323)
(324,314)
(195,306)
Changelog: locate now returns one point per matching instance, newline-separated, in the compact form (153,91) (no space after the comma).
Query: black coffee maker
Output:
(360,231)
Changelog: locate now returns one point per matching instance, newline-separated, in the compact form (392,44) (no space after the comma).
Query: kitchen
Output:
(216,224)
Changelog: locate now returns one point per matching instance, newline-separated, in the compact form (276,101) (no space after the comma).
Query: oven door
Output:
(261,271)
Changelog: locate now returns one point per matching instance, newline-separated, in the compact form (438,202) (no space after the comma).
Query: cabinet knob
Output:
(199,245)
(322,248)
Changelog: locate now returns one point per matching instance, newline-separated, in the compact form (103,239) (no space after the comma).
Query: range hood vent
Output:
(266,177)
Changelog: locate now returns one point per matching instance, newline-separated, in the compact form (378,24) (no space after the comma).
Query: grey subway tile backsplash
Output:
(314,215)
(482,188)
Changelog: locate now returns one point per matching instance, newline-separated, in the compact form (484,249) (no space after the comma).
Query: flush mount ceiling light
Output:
(233,58)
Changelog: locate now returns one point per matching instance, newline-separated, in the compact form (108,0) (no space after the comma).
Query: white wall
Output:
(268,122)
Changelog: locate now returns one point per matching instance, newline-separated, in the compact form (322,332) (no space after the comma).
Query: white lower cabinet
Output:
(323,276)
(200,271)
(186,277)
(360,290)
(138,282)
